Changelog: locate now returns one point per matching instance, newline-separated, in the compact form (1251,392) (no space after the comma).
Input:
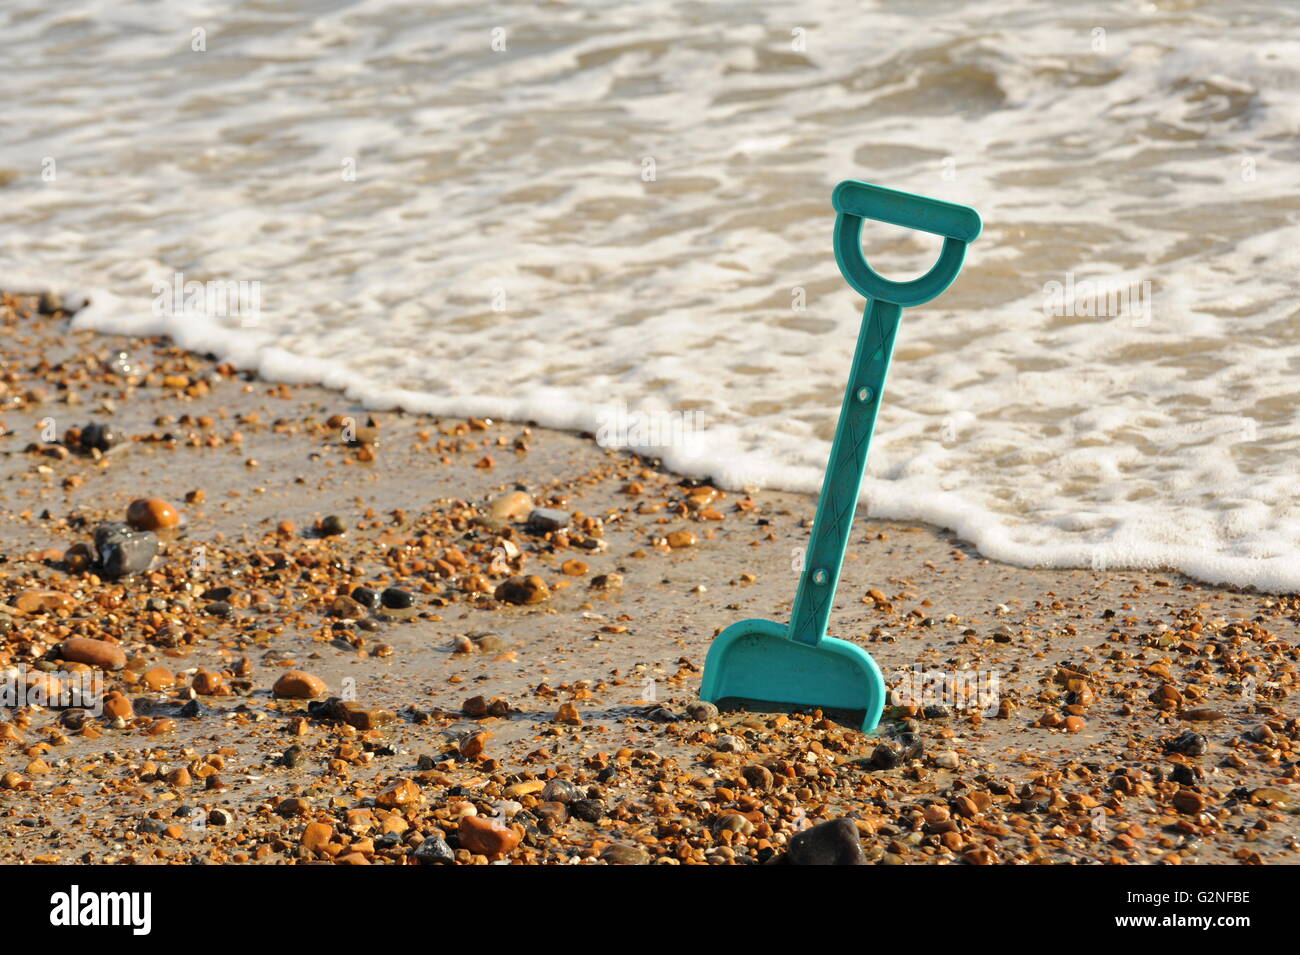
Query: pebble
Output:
(729,743)
(95,653)
(117,706)
(79,558)
(522,590)
(831,843)
(551,815)
(194,710)
(732,822)
(207,683)
(611,581)
(299,685)
(434,851)
(620,853)
(559,791)
(74,719)
(316,836)
(98,437)
(151,514)
(403,792)
(366,596)
(293,806)
(347,608)
(43,601)
(680,539)
(487,837)
(1189,801)
(758,777)
(477,707)
(1269,796)
(947,760)
(528,787)
(911,746)
(702,712)
(544,520)
(157,678)
(332,526)
(122,551)
(588,810)
(358,716)
(574,568)
(510,508)
(1190,743)
(1260,734)
(395,598)
(887,755)
(568,714)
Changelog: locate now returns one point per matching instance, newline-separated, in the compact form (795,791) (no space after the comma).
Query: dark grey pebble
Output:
(122,550)
(99,437)
(1190,744)
(831,843)
(332,526)
(195,710)
(366,596)
(434,851)
(887,756)
(397,599)
(544,519)
(588,810)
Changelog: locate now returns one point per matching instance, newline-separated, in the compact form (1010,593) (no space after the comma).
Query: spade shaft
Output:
(844,470)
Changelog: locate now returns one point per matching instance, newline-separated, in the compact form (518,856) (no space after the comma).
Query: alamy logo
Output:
(74,908)
(215,299)
(618,427)
(959,690)
(21,686)
(1099,298)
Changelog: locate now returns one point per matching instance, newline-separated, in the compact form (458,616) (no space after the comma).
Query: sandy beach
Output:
(526,688)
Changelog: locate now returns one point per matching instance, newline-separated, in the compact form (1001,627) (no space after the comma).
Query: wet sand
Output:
(586,744)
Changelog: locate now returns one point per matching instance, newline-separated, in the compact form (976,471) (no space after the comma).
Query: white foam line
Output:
(881,499)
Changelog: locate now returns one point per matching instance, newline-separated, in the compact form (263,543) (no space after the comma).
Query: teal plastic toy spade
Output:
(764,665)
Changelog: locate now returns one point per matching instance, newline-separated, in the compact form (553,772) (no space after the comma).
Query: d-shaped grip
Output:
(855,201)
(866,201)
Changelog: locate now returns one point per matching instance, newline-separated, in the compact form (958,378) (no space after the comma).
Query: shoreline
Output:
(1076,769)
(984,528)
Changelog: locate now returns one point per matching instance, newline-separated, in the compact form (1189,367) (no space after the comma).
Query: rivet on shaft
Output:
(864,394)
(820,576)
